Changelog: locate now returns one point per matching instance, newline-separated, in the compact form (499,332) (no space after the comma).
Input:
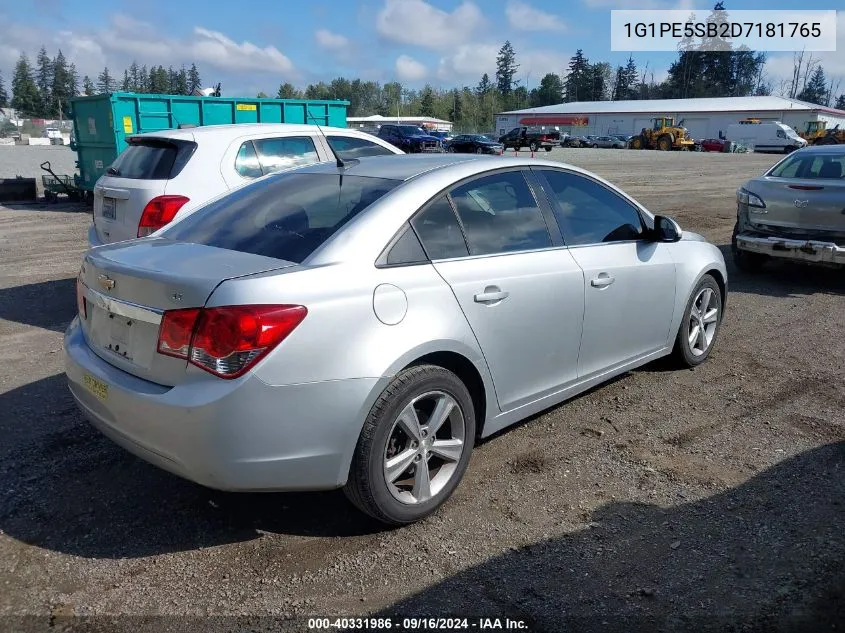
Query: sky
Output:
(258,45)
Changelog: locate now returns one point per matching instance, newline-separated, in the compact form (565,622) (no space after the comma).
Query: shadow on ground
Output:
(783,279)
(68,488)
(768,555)
(48,304)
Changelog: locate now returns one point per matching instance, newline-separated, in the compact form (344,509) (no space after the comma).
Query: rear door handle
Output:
(602,281)
(491,294)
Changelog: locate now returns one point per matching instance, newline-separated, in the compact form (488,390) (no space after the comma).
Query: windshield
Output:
(410,130)
(287,216)
(811,165)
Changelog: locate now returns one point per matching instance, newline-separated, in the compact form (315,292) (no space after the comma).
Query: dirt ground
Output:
(705,500)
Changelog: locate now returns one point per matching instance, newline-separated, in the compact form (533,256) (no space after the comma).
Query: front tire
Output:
(414,447)
(700,324)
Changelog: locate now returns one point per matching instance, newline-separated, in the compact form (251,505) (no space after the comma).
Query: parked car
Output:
(443,136)
(625,138)
(410,138)
(571,141)
(608,142)
(532,138)
(794,211)
(712,145)
(473,144)
(589,140)
(162,175)
(360,327)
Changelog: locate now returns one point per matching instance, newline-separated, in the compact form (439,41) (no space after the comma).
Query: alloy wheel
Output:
(703,321)
(424,446)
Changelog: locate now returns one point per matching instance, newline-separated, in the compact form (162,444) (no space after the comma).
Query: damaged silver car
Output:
(795,211)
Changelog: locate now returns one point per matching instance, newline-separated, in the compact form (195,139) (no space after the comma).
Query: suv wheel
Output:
(415,446)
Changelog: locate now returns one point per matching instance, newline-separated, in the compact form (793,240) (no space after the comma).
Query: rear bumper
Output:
(812,251)
(242,435)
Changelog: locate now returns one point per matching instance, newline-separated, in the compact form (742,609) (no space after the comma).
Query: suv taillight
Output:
(159,212)
(81,301)
(227,341)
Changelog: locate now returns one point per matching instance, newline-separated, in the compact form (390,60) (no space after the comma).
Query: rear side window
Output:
(348,147)
(145,160)
(439,231)
(275,154)
(287,217)
(499,215)
(246,164)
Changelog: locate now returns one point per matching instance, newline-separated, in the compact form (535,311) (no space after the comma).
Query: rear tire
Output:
(384,437)
(533,146)
(703,306)
(548,148)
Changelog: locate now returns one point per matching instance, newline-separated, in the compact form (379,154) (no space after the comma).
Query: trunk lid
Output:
(800,206)
(129,286)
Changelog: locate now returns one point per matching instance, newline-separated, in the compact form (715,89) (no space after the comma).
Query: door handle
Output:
(491,294)
(602,281)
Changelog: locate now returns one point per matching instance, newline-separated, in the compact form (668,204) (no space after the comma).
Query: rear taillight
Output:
(227,341)
(159,212)
(81,301)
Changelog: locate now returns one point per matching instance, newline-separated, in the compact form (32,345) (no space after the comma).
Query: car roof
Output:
(823,149)
(407,167)
(235,130)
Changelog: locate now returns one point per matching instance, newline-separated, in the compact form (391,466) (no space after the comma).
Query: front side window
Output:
(590,213)
(349,147)
(499,215)
(287,217)
(275,154)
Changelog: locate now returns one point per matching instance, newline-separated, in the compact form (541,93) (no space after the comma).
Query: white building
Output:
(374,122)
(704,118)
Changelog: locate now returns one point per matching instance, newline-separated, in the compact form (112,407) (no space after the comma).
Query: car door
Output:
(521,292)
(629,279)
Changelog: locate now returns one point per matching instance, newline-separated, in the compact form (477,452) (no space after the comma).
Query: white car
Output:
(168,174)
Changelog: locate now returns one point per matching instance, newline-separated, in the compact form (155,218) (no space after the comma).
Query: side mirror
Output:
(666,229)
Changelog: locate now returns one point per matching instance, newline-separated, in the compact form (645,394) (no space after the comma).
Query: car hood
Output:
(422,137)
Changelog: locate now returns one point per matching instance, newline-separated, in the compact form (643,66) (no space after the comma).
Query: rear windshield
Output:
(287,216)
(145,160)
(811,165)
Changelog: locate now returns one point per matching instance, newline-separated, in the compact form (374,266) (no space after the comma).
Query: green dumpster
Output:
(102,123)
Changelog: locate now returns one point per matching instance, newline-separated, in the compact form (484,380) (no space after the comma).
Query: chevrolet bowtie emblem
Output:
(106,282)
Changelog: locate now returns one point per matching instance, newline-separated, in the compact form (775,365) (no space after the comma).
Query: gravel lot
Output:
(705,500)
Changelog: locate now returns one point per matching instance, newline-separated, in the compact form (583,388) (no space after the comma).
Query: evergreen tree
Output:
(599,79)
(816,89)
(456,107)
(182,82)
(194,81)
(134,76)
(126,84)
(484,86)
(88,86)
(44,81)
(427,102)
(143,80)
(4,96)
(840,102)
(25,96)
(60,94)
(506,68)
(625,83)
(288,91)
(579,78)
(549,92)
(105,82)
(72,81)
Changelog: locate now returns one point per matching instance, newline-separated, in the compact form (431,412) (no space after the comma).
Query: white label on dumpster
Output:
(92,126)
(98,164)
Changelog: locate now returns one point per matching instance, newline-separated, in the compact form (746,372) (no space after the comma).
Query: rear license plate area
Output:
(120,333)
(109,208)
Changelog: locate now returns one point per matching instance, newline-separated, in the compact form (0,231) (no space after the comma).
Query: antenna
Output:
(337,157)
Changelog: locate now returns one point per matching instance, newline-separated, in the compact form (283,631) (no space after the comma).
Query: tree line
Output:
(694,73)
(44,90)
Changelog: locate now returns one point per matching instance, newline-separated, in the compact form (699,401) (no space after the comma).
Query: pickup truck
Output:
(533,139)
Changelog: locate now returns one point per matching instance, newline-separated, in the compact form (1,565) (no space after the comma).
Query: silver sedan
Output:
(361,325)
(795,211)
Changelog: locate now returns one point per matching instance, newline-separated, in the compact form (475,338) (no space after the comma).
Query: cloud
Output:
(220,51)
(523,17)
(331,41)
(418,23)
(641,4)
(470,61)
(409,69)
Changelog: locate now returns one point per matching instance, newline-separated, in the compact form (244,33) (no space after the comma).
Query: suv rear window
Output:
(151,159)
(287,217)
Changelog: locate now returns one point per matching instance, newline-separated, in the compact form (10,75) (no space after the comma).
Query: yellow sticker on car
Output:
(97,387)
